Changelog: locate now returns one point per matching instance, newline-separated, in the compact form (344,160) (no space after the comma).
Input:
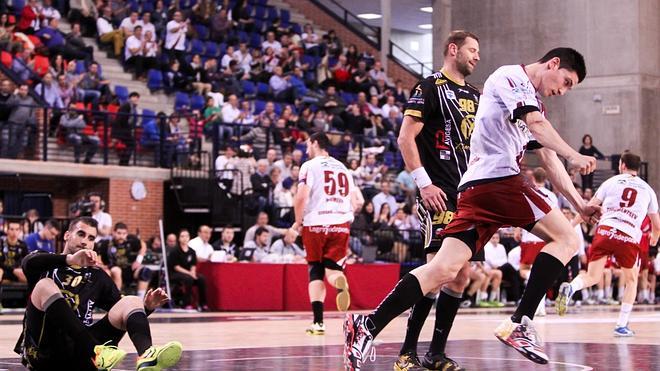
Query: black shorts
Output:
(8,274)
(439,222)
(48,347)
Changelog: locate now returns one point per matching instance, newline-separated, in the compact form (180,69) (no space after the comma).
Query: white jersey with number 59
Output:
(330,186)
(627,199)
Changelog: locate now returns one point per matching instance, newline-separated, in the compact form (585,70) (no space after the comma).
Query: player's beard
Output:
(462,65)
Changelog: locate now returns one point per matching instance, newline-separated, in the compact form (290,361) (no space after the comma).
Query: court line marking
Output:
(582,367)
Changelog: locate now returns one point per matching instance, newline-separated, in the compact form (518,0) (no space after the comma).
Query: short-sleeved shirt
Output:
(34,242)
(447,110)
(627,199)
(176,40)
(11,256)
(119,254)
(132,43)
(500,137)
(330,185)
(184,259)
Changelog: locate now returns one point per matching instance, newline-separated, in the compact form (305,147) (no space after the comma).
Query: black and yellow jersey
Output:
(11,256)
(447,110)
(119,254)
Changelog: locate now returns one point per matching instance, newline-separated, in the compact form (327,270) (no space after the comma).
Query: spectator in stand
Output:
(262,222)
(272,43)
(182,265)
(201,245)
(311,41)
(227,244)
(588,149)
(230,79)
(93,85)
(23,63)
(171,242)
(43,240)
(341,73)
(12,252)
(283,199)
(384,196)
(295,173)
(133,49)
(332,102)
(212,115)
(390,107)
(203,12)
(281,87)
(200,80)
(5,109)
(245,165)
(175,39)
(334,45)
(231,116)
(102,218)
(84,12)
(128,24)
(21,123)
(268,113)
(220,26)
(159,17)
(31,223)
(285,164)
(73,123)
(240,14)
(400,94)
(49,92)
(271,157)
(176,79)
(224,166)
(377,73)
(56,43)
(368,175)
(177,147)
(48,12)
(108,34)
(243,57)
(74,39)
(261,138)
(258,71)
(297,157)
(496,258)
(352,56)
(261,245)
(271,60)
(120,10)
(285,250)
(147,26)
(228,57)
(248,118)
(407,187)
(361,81)
(29,21)
(124,126)
(262,185)
(150,51)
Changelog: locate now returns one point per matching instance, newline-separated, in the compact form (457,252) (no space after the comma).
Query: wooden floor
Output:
(276,341)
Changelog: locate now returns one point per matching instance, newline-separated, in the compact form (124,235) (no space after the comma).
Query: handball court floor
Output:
(277,341)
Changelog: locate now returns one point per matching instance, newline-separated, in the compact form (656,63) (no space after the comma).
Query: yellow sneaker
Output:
(504,330)
(158,358)
(343,296)
(316,329)
(107,356)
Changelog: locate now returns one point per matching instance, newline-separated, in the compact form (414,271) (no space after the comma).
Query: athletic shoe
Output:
(343,298)
(159,358)
(440,362)
(496,304)
(466,303)
(563,298)
(623,332)
(316,329)
(107,356)
(523,338)
(407,361)
(358,340)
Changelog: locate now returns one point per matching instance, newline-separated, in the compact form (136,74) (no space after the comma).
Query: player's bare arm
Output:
(655,223)
(357,200)
(560,179)
(545,134)
(432,196)
(299,203)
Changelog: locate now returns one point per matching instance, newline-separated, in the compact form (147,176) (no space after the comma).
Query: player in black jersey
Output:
(58,329)
(122,259)
(12,252)
(435,144)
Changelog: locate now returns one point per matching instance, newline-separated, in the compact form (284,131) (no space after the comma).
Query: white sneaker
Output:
(316,329)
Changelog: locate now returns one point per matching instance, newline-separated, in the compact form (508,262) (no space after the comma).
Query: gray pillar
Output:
(441,20)
(386,11)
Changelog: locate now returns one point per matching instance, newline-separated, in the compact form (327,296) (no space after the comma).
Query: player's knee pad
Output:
(316,271)
(145,274)
(332,265)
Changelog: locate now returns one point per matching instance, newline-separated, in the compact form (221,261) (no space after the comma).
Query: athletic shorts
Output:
(326,242)
(439,221)
(609,241)
(48,347)
(484,208)
(529,251)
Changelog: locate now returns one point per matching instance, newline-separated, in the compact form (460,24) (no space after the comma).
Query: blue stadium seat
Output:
(295,27)
(202,31)
(259,105)
(388,159)
(249,89)
(197,102)
(258,26)
(81,68)
(147,116)
(263,90)
(285,16)
(308,59)
(262,2)
(181,100)
(243,36)
(135,6)
(121,92)
(260,13)
(155,80)
(211,49)
(272,13)
(255,40)
(147,6)
(222,48)
(197,47)
(18,6)
(278,108)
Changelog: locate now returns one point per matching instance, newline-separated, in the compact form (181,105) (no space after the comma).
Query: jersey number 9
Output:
(629,196)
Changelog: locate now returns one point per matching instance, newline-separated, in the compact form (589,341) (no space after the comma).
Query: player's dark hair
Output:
(199,229)
(539,175)
(631,160)
(584,138)
(120,225)
(86,220)
(184,230)
(569,59)
(260,231)
(458,38)
(52,223)
(321,139)
(14,221)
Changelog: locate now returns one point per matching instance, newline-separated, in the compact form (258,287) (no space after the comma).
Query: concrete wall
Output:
(621,44)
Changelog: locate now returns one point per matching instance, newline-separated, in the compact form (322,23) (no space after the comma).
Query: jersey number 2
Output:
(629,196)
(333,182)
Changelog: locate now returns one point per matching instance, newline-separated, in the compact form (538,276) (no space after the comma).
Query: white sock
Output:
(141,293)
(647,294)
(608,292)
(652,297)
(484,296)
(599,294)
(624,315)
(577,284)
(541,305)
(494,295)
(585,294)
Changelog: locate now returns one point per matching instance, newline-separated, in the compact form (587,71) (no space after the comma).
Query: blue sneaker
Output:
(623,332)
(563,298)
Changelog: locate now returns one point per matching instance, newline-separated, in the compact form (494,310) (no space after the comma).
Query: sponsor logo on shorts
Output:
(613,234)
(329,229)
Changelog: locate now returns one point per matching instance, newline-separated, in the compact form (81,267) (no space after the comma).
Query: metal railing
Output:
(409,62)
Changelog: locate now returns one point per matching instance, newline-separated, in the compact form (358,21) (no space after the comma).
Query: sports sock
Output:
(406,293)
(58,311)
(416,320)
(494,295)
(545,270)
(138,330)
(317,308)
(599,294)
(624,315)
(448,303)
(608,292)
(483,296)
(577,284)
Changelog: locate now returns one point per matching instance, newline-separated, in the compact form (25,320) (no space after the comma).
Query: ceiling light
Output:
(427,9)
(426,26)
(369,16)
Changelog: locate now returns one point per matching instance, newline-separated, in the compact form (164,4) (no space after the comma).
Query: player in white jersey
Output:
(494,194)
(626,201)
(324,206)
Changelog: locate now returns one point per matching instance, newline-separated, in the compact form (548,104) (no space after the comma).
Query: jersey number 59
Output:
(335,182)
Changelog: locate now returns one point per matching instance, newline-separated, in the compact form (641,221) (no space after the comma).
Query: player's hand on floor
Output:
(83,258)
(584,164)
(155,298)
(434,198)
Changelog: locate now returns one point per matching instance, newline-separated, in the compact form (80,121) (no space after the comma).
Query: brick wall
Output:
(142,214)
(325,21)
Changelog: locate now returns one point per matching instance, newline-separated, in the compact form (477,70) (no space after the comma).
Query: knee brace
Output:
(330,264)
(316,271)
(145,274)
